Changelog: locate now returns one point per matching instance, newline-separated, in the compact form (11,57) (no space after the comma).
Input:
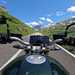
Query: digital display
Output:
(38,40)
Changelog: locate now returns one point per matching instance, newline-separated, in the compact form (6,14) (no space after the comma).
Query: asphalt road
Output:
(7,51)
(67,61)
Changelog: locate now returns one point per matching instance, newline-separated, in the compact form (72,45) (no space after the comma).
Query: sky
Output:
(40,12)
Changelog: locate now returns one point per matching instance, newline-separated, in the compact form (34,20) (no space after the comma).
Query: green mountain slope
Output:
(59,28)
(16,25)
(52,30)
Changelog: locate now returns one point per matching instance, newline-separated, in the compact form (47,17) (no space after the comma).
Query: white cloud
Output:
(42,18)
(40,22)
(28,24)
(45,19)
(49,15)
(71,9)
(73,16)
(60,13)
(49,20)
(34,23)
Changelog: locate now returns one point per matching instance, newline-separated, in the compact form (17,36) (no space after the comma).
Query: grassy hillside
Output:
(16,25)
(53,30)
(59,28)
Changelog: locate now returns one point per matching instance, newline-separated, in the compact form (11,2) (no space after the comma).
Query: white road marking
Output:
(71,54)
(11,59)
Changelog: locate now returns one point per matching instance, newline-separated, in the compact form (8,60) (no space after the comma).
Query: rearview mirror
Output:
(59,36)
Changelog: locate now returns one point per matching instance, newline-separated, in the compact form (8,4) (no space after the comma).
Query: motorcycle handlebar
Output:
(18,39)
(58,40)
(26,43)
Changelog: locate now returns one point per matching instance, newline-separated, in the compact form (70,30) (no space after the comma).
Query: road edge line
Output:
(71,54)
(11,59)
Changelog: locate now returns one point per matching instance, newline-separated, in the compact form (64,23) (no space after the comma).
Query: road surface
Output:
(7,51)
